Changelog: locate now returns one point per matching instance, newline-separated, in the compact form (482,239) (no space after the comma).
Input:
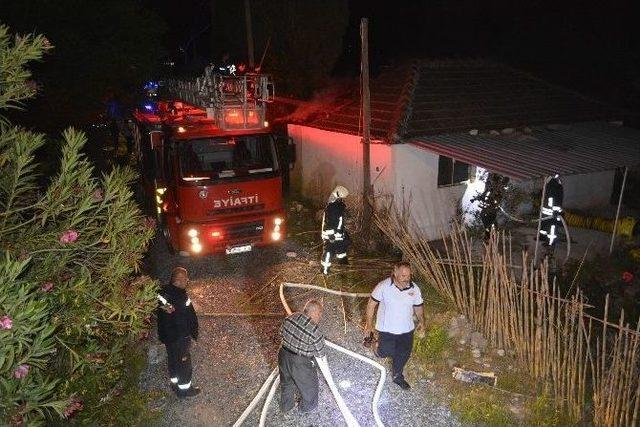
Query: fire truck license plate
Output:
(239,249)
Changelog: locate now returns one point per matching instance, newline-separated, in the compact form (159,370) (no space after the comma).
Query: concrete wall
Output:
(400,173)
(408,175)
(325,159)
(432,207)
(588,191)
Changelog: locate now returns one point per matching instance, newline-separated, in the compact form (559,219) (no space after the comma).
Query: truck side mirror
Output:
(157,139)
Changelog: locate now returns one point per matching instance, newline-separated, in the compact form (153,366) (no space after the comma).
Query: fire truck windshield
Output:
(227,157)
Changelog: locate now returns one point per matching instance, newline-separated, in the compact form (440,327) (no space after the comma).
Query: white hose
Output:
(383,375)
(322,363)
(336,394)
(324,368)
(256,399)
(265,408)
(346,413)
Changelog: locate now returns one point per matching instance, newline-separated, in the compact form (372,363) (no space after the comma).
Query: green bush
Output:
(70,303)
(430,347)
(543,412)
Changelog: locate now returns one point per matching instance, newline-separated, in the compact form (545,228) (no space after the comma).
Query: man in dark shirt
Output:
(177,325)
(301,342)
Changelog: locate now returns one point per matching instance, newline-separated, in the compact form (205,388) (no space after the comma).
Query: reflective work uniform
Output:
(551,211)
(177,325)
(335,238)
(489,201)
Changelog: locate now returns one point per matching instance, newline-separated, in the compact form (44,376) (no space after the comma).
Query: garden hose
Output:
(625,225)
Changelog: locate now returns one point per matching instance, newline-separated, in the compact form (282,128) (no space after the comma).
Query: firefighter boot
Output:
(190,392)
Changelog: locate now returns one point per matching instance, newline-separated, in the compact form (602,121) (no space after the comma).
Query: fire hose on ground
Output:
(274,378)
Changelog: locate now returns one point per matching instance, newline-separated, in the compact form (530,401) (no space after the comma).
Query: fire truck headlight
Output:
(196,247)
(275,236)
(192,232)
(195,240)
(277,221)
(266,124)
(181,129)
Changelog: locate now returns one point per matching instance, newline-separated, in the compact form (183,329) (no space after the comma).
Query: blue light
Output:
(148,107)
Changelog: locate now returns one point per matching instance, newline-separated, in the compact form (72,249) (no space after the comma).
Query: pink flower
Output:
(69,236)
(21,371)
(627,277)
(98,195)
(46,286)
(149,222)
(72,408)
(6,322)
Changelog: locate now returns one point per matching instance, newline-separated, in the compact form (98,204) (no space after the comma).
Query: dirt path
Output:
(234,355)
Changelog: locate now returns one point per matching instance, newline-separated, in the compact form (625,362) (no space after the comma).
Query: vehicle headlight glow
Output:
(192,232)
(196,247)
(195,240)
(277,221)
(275,236)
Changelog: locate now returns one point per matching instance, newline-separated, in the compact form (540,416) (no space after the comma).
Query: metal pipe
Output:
(615,224)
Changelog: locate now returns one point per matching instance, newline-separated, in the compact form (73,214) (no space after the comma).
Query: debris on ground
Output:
(473,377)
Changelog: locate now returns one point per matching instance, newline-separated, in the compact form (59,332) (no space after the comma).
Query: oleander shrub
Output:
(72,302)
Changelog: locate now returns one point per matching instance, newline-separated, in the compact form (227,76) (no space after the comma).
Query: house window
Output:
(451,172)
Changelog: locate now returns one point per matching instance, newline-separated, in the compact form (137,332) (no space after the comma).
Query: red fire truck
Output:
(211,168)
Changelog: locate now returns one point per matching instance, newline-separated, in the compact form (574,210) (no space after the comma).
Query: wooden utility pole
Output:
(247,18)
(366,126)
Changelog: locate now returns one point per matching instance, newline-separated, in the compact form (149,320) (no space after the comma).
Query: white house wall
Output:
(325,159)
(432,208)
(402,172)
(587,191)
(409,175)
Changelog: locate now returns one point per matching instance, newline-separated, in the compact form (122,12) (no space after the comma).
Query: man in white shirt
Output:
(397,299)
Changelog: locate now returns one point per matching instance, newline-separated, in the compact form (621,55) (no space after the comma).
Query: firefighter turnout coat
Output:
(176,315)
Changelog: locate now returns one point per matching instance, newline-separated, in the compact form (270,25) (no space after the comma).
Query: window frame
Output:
(451,182)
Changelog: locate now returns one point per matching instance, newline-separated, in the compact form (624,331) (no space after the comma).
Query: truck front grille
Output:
(239,209)
(248,229)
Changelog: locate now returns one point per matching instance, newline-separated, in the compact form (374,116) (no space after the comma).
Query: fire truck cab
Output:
(212,172)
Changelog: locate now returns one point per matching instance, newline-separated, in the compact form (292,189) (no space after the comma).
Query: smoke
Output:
(324,102)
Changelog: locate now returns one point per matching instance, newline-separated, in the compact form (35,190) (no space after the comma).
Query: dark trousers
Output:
(336,250)
(297,372)
(398,348)
(179,361)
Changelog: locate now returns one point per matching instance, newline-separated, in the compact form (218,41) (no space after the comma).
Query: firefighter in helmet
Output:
(490,199)
(551,207)
(334,236)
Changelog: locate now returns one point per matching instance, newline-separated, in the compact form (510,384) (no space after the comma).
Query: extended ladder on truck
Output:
(233,102)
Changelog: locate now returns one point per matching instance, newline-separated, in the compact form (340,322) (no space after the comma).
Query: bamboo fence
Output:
(578,358)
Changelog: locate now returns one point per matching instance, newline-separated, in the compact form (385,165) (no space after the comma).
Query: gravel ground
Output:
(234,355)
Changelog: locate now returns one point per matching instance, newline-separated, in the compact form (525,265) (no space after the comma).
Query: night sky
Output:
(590,46)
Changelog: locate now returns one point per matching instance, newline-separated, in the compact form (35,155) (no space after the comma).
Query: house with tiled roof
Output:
(436,124)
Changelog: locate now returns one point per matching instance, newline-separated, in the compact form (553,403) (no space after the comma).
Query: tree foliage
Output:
(103,49)
(71,304)
(305,40)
